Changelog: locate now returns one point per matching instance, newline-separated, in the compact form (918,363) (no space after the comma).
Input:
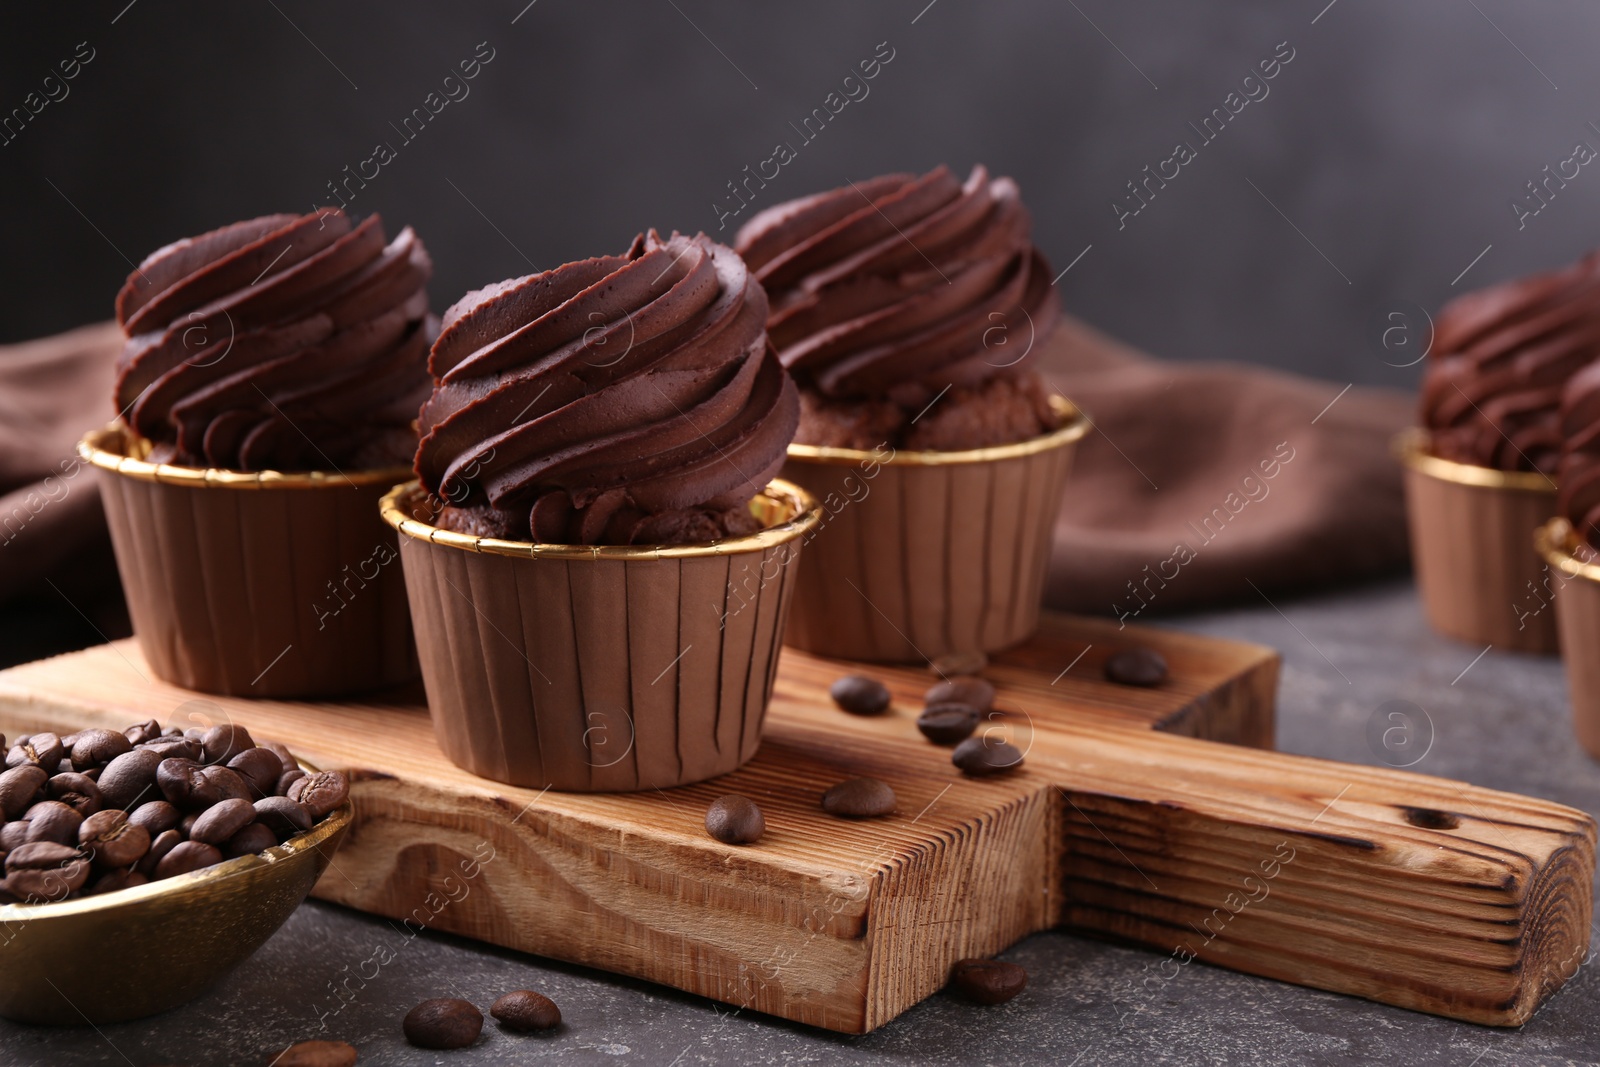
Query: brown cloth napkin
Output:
(1170,503)
(1208,483)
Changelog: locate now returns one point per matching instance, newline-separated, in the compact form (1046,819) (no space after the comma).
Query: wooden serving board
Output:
(1129,820)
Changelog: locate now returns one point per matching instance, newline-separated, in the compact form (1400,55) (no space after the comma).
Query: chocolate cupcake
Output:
(598,559)
(907,309)
(1481,472)
(267,388)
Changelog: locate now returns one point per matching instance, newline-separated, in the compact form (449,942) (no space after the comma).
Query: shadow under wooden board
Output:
(1155,816)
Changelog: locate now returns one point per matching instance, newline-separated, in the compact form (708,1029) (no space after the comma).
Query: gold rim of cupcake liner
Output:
(1558,542)
(1410,446)
(788,512)
(108,448)
(1074,425)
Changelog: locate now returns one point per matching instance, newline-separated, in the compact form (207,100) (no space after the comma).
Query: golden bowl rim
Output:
(107,448)
(1410,446)
(804,510)
(1075,424)
(1557,541)
(311,840)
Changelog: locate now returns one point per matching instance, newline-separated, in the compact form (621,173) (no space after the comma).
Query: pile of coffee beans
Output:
(97,810)
(448,1022)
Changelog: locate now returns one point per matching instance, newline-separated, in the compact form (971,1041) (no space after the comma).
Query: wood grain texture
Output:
(1127,821)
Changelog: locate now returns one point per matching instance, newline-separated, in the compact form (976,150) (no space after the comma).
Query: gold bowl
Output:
(136,952)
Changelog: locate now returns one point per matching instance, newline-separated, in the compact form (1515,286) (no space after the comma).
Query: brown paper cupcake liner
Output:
(1471,545)
(262,584)
(922,554)
(1577,609)
(599,669)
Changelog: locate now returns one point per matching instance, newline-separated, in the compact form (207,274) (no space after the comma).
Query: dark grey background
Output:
(1393,142)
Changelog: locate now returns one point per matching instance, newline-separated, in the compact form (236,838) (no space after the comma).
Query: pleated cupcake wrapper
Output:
(1472,527)
(599,669)
(1576,588)
(265,585)
(924,554)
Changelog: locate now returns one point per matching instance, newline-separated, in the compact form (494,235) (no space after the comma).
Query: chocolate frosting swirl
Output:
(1579,475)
(1492,392)
(284,342)
(900,281)
(620,400)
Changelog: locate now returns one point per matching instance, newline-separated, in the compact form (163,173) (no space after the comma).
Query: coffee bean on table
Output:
(51,820)
(987,981)
(320,792)
(316,1054)
(733,820)
(977,692)
(945,724)
(859,798)
(1137,666)
(981,756)
(860,695)
(526,1010)
(130,778)
(187,856)
(221,821)
(110,840)
(443,1022)
(18,787)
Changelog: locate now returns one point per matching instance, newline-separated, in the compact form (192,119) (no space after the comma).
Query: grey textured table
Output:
(1503,723)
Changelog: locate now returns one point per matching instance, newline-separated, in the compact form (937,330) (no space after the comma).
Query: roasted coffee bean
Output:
(47,885)
(18,788)
(260,768)
(287,779)
(320,792)
(77,791)
(139,733)
(45,750)
(945,724)
(987,981)
(221,821)
(223,742)
(96,748)
(859,798)
(51,820)
(168,747)
(195,733)
(733,820)
(975,692)
(110,840)
(280,750)
(182,784)
(112,881)
(40,855)
(980,756)
(160,845)
(860,695)
(1137,666)
(155,816)
(526,1010)
(284,817)
(185,857)
(13,834)
(253,839)
(443,1022)
(186,824)
(130,778)
(229,785)
(956,663)
(316,1054)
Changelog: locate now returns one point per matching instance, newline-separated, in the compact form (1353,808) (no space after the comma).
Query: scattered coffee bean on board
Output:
(975,691)
(980,756)
(953,663)
(1137,666)
(316,1054)
(527,1011)
(987,981)
(859,798)
(734,820)
(945,724)
(860,695)
(443,1022)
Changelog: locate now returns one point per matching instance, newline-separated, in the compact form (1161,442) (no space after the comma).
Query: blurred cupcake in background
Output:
(598,557)
(1482,470)
(908,308)
(267,388)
